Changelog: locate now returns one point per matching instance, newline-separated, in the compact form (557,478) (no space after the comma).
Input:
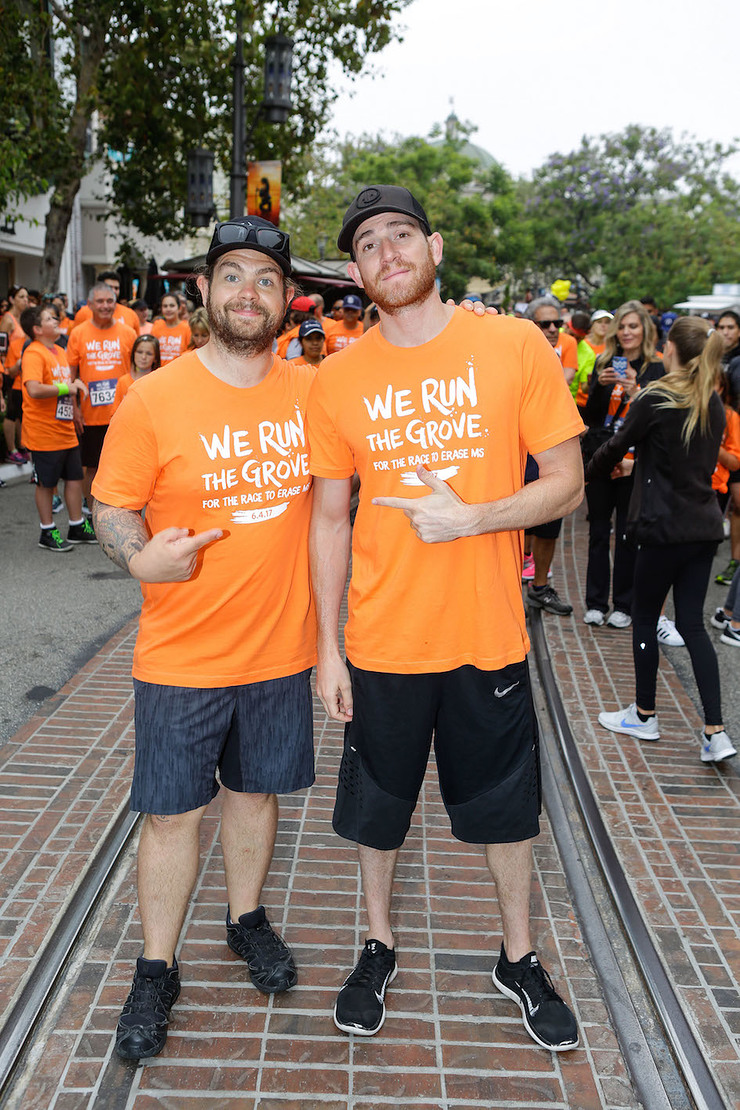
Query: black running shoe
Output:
(548,600)
(51,540)
(546,1017)
(270,961)
(360,1006)
(81,533)
(142,1026)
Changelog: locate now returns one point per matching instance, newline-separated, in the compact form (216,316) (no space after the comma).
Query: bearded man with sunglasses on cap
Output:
(436,411)
(213,447)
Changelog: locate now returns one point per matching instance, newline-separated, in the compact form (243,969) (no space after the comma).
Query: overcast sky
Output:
(536,76)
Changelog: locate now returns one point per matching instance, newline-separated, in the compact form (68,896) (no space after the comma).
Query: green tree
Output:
(472,207)
(635,212)
(158,75)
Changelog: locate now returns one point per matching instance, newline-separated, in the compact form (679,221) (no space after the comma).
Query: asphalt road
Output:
(58,610)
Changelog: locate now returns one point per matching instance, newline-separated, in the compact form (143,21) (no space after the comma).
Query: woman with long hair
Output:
(631,336)
(11,325)
(676,426)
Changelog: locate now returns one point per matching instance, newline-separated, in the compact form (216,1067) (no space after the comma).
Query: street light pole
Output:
(238,153)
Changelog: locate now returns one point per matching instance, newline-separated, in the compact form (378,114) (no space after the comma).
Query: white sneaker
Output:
(627,721)
(618,619)
(716,747)
(669,634)
(593,616)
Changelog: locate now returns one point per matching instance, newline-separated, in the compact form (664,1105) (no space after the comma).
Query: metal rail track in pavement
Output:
(570,800)
(20,1021)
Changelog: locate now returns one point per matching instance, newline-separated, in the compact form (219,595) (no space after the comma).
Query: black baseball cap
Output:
(376,199)
(310,327)
(250,233)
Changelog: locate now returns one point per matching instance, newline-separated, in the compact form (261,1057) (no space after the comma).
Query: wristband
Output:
(62,389)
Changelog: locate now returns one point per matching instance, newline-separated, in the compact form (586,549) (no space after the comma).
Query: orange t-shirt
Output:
(566,349)
(65,325)
(15,349)
(101,356)
(48,422)
(468,405)
(173,342)
(341,336)
(122,315)
(597,347)
(123,385)
(730,442)
(200,454)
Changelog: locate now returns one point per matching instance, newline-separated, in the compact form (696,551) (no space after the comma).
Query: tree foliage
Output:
(635,212)
(469,205)
(159,74)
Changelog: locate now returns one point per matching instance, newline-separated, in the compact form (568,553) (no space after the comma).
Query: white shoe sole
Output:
(358,1030)
(525,1018)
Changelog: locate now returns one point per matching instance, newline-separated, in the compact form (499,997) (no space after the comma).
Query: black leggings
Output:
(686,567)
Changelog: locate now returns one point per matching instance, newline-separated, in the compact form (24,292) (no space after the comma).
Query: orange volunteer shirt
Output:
(121,315)
(48,422)
(566,349)
(173,342)
(730,442)
(123,385)
(15,349)
(341,336)
(468,405)
(101,355)
(200,454)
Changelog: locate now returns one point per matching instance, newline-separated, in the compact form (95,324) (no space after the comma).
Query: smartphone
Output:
(619,365)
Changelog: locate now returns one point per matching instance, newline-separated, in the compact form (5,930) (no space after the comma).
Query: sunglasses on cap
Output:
(244,233)
(545,324)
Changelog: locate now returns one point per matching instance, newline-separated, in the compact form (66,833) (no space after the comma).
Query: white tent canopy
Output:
(721,297)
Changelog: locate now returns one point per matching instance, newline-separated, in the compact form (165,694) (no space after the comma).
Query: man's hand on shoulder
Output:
(439,517)
(476,307)
(170,555)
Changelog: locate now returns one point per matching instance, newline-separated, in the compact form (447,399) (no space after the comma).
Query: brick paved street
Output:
(450,1039)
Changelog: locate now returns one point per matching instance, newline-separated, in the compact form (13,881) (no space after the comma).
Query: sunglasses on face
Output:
(545,324)
(244,233)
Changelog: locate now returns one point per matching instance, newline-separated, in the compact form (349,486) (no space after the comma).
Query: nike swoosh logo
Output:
(500,693)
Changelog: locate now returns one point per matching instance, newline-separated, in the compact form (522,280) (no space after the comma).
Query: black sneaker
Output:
(720,619)
(142,1026)
(360,1006)
(51,540)
(548,599)
(546,1017)
(270,961)
(81,533)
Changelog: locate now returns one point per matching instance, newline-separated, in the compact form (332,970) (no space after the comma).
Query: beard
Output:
(240,336)
(414,289)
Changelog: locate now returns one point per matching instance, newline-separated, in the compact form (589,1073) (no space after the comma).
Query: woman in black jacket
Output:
(676,427)
(631,334)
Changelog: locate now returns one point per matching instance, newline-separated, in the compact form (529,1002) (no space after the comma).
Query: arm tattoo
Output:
(121,532)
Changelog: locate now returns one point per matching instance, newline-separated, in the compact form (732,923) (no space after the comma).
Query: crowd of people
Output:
(217,452)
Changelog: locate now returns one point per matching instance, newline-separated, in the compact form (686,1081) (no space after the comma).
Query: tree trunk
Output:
(91,44)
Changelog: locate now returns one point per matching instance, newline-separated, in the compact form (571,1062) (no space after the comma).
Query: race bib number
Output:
(65,408)
(102,392)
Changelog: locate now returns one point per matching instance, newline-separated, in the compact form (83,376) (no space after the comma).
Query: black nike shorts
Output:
(486,746)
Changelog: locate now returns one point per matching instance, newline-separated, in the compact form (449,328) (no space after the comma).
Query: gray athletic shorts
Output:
(258,736)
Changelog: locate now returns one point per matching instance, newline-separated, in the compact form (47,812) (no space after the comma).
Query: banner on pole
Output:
(263,190)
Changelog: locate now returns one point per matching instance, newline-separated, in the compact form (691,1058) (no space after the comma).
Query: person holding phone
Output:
(630,344)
